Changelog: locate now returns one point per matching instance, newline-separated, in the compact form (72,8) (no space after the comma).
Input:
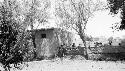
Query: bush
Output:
(12,43)
(9,54)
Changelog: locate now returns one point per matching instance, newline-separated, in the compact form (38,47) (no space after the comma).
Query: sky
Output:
(101,23)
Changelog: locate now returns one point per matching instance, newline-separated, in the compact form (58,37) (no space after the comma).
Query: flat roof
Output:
(42,29)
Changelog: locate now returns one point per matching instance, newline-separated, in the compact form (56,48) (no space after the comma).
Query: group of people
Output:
(61,51)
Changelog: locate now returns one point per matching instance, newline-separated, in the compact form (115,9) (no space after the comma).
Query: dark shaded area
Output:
(107,53)
(115,6)
(71,52)
(10,53)
(111,57)
(61,52)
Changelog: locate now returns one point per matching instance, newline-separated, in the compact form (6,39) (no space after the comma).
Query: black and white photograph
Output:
(62,35)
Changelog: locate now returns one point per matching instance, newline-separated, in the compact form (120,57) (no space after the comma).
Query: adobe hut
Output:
(48,39)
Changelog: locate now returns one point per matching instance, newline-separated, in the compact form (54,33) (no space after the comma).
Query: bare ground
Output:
(73,65)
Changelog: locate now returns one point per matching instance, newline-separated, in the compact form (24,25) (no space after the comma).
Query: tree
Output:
(15,17)
(115,7)
(35,14)
(76,13)
(10,47)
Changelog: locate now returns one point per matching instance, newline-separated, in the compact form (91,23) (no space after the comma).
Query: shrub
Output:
(12,43)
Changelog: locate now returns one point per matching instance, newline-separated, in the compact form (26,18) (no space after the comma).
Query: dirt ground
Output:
(72,65)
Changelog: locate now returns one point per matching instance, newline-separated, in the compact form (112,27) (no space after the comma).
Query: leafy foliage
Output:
(12,43)
(75,14)
(115,6)
(16,44)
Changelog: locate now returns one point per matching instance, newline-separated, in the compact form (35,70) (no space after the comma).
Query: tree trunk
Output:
(82,36)
(34,44)
(84,42)
(33,38)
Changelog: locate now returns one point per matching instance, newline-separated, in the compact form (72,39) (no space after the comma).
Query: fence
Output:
(107,53)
